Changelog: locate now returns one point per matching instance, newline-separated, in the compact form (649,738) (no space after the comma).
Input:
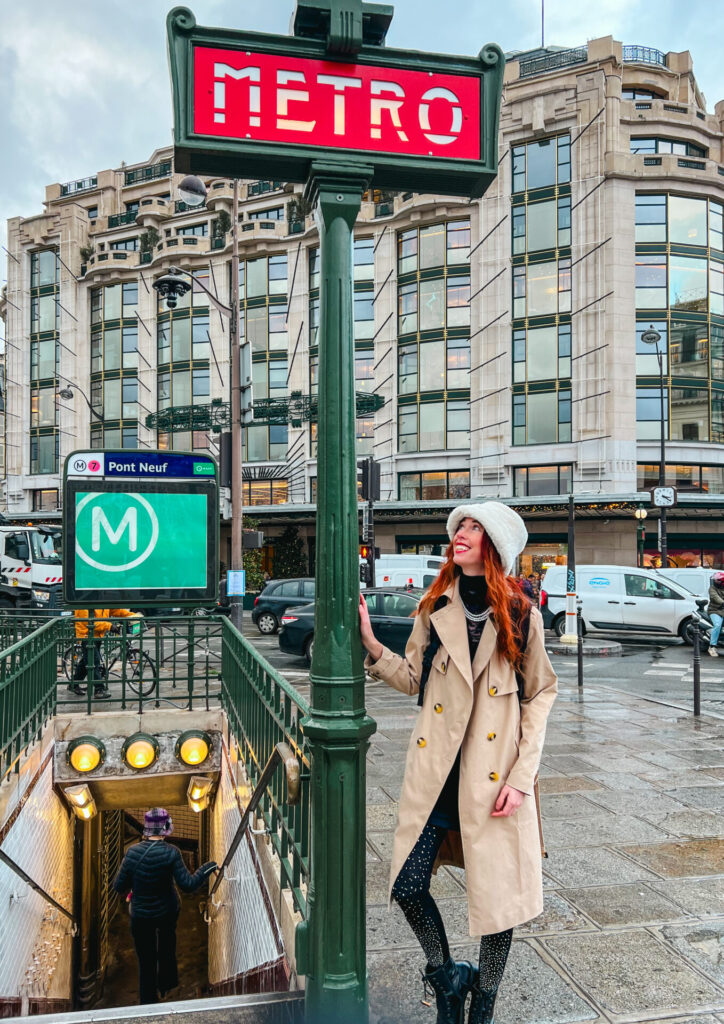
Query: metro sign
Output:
(252,104)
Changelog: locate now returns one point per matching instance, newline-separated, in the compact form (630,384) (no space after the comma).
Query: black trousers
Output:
(155,942)
(82,667)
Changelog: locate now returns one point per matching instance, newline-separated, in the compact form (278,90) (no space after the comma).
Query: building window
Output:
(542,289)
(434,426)
(642,144)
(531,481)
(437,245)
(46,500)
(680,220)
(542,164)
(44,453)
(541,353)
(266,492)
(648,413)
(634,93)
(44,360)
(198,230)
(650,282)
(450,484)
(275,213)
(545,224)
(705,479)
(542,417)
(363,259)
(126,245)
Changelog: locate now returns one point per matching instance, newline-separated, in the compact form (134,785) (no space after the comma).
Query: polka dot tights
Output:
(411,892)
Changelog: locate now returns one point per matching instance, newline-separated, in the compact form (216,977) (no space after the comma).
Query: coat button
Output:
(491,735)
(493,690)
(421,741)
(443,667)
(493,775)
(438,709)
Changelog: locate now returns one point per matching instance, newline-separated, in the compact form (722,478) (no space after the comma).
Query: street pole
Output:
(662,465)
(237,498)
(571,634)
(697,667)
(331,943)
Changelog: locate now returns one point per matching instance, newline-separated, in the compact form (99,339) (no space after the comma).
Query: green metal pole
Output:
(331,945)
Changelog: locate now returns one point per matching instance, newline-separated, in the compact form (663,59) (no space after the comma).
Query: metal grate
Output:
(552,61)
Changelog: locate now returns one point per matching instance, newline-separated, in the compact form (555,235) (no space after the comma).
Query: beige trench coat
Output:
(475,707)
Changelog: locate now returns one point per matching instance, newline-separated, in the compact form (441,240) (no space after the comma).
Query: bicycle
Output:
(140,667)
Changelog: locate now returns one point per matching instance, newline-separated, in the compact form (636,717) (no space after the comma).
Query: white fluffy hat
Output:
(501,523)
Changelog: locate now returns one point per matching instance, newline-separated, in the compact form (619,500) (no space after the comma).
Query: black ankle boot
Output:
(451,984)
(482,1006)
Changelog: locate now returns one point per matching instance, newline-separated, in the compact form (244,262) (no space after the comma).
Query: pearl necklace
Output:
(473,616)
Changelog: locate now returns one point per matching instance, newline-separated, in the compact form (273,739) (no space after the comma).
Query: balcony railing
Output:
(218,242)
(145,257)
(71,188)
(384,209)
(553,61)
(148,173)
(181,207)
(117,219)
(258,188)
(644,55)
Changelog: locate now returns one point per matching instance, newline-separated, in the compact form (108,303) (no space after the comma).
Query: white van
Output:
(696,580)
(407,570)
(619,599)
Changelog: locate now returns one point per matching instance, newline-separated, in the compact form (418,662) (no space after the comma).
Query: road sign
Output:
(273,104)
(140,528)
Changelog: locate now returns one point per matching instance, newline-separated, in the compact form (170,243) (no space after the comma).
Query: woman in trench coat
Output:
(467,797)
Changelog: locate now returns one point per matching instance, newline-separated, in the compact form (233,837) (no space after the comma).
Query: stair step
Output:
(261,1008)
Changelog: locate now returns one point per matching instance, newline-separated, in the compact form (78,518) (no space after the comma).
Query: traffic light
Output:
(369,554)
(370,480)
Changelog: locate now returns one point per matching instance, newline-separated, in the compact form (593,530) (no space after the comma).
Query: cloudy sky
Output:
(84,84)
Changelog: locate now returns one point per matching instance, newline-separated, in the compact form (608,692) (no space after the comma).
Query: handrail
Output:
(9,862)
(282,754)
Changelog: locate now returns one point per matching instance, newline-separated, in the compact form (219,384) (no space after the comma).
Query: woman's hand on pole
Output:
(369,639)
(508,802)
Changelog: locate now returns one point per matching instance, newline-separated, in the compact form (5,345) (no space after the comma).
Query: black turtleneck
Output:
(474,595)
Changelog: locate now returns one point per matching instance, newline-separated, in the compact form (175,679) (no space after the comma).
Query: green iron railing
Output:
(148,173)
(264,709)
(27,691)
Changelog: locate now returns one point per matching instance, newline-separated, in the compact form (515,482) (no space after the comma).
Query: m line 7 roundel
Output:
(263,97)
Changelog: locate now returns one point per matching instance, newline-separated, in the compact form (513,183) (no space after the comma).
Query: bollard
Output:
(697,667)
(579,633)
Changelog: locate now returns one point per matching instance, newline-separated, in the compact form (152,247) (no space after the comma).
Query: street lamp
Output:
(652,337)
(640,515)
(171,287)
(67,395)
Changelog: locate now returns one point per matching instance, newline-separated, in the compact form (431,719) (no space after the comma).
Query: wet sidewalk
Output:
(633,927)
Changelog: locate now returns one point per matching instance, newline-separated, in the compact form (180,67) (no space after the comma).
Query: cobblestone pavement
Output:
(633,926)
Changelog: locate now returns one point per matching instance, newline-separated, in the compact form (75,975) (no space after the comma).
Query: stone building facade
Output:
(502,336)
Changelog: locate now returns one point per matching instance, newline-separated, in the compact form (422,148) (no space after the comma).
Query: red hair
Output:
(509,605)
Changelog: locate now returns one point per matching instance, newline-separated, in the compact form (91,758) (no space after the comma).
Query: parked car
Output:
(619,599)
(275,598)
(390,610)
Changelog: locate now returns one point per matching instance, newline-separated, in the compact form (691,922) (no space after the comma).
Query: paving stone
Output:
(634,903)
(371,855)
(617,763)
(641,804)
(378,878)
(593,866)
(664,780)
(708,797)
(680,860)
(696,824)
(704,756)
(700,897)
(621,780)
(567,763)
(567,784)
(558,916)
(382,816)
(375,795)
(388,929)
(531,990)
(568,805)
(633,974)
(663,759)
(382,843)
(716,773)
(703,944)
(600,831)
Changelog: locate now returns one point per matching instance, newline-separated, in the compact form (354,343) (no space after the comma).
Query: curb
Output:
(591,649)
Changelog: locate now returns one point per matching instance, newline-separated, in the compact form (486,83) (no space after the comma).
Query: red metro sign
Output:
(248,104)
(292,100)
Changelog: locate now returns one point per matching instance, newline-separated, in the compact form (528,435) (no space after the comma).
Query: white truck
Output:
(31,568)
